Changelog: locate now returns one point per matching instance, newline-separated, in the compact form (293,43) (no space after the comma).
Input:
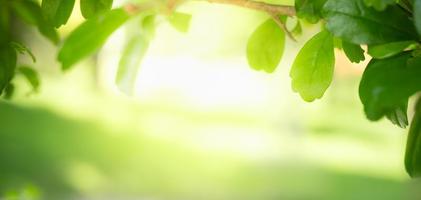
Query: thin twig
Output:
(282,26)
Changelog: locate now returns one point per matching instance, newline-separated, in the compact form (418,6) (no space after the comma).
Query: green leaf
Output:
(22,49)
(90,8)
(90,36)
(57,11)
(354,52)
(387,84)
(5,23)
(390,49)
(352,21)
(313,67)
(310,10)
(417,15)
(266,47)
(31,13)
(180,21)
(399,116)
(8,59)
(379,4)
(413,145)
(31,76)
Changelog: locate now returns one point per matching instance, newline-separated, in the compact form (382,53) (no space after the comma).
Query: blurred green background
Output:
(200,125)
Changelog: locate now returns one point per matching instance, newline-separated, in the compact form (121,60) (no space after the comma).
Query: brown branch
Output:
(260,6)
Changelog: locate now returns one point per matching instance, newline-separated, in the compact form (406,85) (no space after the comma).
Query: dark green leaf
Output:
(413,145)
(90,8)
(180,21)
(90,36)
(31,13)
(7,65)
(312,70)
(352,21)
(354,52)
(5,19)
(310,10)
(31,76)
(379,4)
(387,84)
(9,91)
(57,11)
(389,49)
(417,15)
(266,47)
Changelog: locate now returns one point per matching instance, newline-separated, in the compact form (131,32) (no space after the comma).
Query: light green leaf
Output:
(387,84)
(379,4)
(57,11)
(180,21)
(354,52)
(310,10)
(90,8)
(313,67)
(352,21)
(90,36)
(31,13)
(266,47)
(399,116)
(8,60)
(31,76)
(23,50)
(389,49)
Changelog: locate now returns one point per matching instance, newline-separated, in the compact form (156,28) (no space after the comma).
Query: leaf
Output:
(354,52)
(413,145)
(180,21)
(313,67)
(90,36)
(352,21)
(31,76)
(379,4)
(8,59)
(310,10)
(417,15)
(9,91)
(387,84)
(57,11)
(5,23)
(266,47)
(31,13)
(22,49)
(130,63)
(90,8)
(399,116)
(390,49)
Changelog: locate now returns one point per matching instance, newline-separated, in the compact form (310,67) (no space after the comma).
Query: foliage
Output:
(390,29)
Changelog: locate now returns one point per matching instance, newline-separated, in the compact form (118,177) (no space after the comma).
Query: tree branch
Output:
(272,9)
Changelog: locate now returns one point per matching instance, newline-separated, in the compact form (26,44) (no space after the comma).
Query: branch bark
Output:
(272,9)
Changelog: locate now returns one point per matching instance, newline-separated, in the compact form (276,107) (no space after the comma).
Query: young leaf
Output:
(90,36)
(8,59)
(31,76)
(352,21)
(310,10)
(266,47)
(57,11)
(180,21)
(413,145)
(31,13)
(387,84)
(379,4)
(390,49)
(90,8)
(354,52)
(313,67)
